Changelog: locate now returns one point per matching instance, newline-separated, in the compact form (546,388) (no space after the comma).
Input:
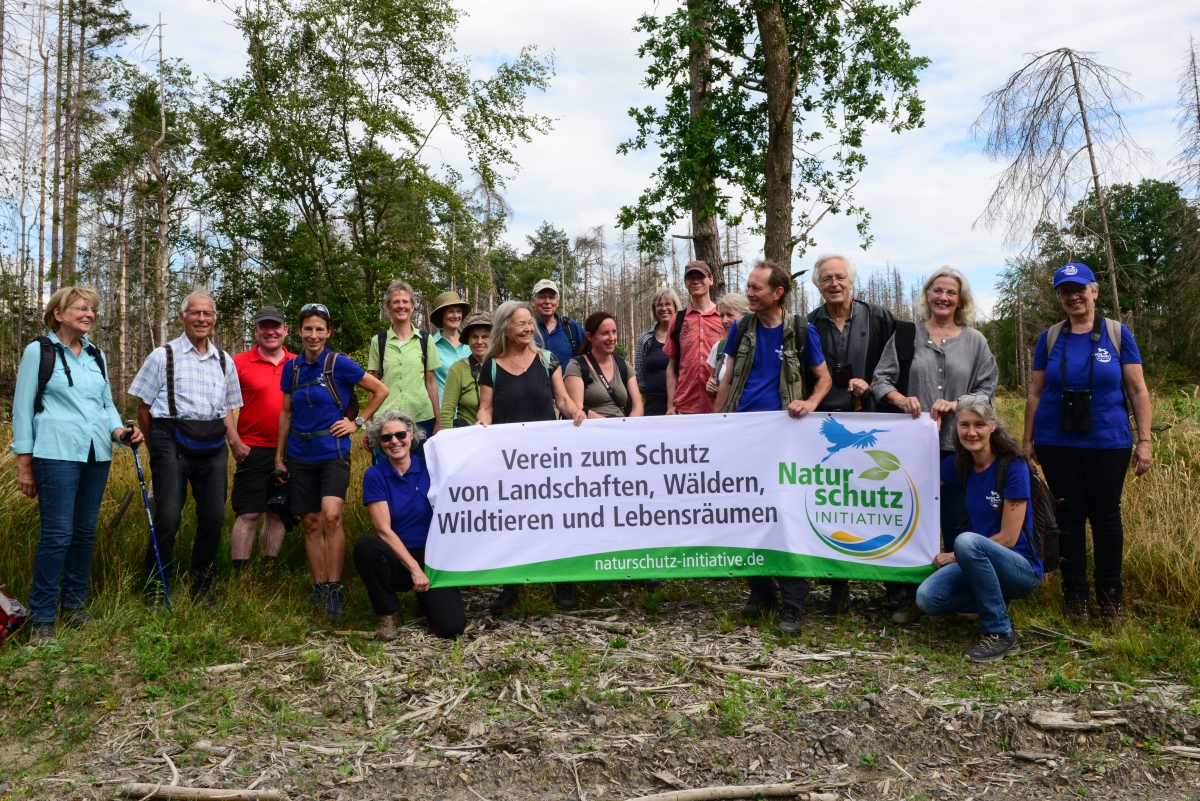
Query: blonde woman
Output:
(732,307)
(650,363)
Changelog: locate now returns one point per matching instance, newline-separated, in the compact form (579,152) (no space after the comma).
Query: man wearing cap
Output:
(258,371)
(693,333)
(401,357)
(447,316)
(560,335)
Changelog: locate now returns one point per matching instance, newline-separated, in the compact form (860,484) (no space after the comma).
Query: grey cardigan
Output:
(962,365)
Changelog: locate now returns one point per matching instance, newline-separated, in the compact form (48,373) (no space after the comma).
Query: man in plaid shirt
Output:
(206,389)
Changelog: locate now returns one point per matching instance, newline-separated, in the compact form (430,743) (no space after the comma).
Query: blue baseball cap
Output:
(1074,273)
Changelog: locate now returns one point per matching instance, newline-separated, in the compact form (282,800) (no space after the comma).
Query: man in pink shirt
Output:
(693,333)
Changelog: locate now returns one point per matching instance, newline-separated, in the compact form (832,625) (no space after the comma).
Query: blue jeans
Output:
(984,578)
(69,496)
(172,470)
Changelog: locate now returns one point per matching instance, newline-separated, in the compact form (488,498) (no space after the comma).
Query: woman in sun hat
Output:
(1077,427)
(447,316)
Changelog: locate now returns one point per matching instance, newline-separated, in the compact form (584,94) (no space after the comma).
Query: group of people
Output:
(527,362)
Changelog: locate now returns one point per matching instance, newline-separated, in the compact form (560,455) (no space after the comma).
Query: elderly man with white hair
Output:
(853,335)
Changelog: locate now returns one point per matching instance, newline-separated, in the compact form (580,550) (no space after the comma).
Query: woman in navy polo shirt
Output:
(391,560)
(314,448)
(997,559)
(1078,430)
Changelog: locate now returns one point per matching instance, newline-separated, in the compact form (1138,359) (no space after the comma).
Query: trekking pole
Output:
(162,574)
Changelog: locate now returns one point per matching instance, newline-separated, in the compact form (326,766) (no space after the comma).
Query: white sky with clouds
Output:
(923,188)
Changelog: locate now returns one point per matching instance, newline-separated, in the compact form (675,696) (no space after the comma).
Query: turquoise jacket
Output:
(449,355)
(76,418)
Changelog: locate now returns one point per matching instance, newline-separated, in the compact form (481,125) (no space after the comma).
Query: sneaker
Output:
(789,619)
(388,626)
(1077,612)
(317,599)
(507,597)
(758,607)
(335,601)
(839,598)
(42,634)
(994,646)
(75,618)
(906,614)
(564,596)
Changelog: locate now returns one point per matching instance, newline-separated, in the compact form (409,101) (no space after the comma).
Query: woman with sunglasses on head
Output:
(1077,428)
(460,398)
(314,448)
(392,559)
(598,380)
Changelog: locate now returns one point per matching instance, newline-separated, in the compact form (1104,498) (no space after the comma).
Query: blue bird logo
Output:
(842,437)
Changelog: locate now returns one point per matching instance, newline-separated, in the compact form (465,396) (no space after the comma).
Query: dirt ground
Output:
(637,696)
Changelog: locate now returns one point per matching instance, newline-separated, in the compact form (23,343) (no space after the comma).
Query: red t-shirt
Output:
(700,331)
(262,400)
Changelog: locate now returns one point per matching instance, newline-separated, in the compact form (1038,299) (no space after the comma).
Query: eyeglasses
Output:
(82,309)
(399,435)
(317,307)
(948,293)
(692,278)
(1064,291)
(826,280)
(202,313)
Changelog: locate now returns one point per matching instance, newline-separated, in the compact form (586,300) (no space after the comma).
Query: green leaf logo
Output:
(885,460)
(874,474)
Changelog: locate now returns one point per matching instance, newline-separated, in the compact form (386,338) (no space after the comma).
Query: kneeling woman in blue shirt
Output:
(391,560)
(996,560)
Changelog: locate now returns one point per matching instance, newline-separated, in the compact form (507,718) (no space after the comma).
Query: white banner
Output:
(829,495)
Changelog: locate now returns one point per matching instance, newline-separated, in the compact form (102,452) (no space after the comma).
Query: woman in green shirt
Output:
(460,398)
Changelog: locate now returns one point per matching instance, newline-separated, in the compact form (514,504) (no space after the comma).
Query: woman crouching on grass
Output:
(997,559)
(392,559)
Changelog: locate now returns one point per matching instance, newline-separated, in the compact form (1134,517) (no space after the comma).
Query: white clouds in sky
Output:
(924,189)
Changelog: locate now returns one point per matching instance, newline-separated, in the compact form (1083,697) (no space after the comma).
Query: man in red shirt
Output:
(259,371)
(693,333)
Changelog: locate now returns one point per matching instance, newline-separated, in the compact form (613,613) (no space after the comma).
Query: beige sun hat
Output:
(444,301)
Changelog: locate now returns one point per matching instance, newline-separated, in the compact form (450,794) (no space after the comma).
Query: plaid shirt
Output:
(201,392)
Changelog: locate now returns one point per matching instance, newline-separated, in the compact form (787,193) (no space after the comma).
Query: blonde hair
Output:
(665,292)
(735,302)
(965,313)
(498,340)
(63,298)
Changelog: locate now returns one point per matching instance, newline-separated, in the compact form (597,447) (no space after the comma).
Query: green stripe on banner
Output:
(677,562)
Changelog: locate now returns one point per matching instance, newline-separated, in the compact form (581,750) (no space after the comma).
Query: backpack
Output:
(545,357)
(569,326)
(13,613)
(1045,507)
(326,379)
(46,368)
(586,371)
(381,340)
(195,437)
(905,339)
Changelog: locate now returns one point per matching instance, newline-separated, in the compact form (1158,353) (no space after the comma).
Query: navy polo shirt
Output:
(407,497)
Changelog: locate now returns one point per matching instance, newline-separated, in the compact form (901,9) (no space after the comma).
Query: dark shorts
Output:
(250,482)
(312,481)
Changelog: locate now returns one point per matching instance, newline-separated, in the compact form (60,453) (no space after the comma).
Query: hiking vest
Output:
(791,375)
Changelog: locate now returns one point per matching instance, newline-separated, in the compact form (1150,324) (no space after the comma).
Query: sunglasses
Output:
(314,307)
(399,435)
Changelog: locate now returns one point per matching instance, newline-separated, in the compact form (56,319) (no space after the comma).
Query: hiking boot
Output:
(994,646)
(317,599)
(75,618)
(789,619)
(895,597)
(507,597)
(839,598)
(1110,616)
(388,626)
(564,596)
(1077,612)
(906,614)
(758,607)
(42,634)
(203,596)
(335,601)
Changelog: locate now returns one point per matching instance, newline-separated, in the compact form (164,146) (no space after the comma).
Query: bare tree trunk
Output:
(704,226)
(45,54)
(162,262)
(71,172)
(779,85)
(1108,247)
(56,221)
(1022,377)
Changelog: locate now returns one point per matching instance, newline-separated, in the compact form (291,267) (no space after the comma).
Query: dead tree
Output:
(1187,162)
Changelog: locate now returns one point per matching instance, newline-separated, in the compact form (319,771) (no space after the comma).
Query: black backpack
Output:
(351,408)
(46,368)
(585,370)
(1045,521)
(381,339)
(905,338)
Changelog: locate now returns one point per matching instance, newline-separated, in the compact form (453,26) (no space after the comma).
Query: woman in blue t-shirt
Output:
(1078,430)
(997,559)
(314,448)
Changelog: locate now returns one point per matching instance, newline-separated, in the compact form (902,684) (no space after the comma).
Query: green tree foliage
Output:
(783,123)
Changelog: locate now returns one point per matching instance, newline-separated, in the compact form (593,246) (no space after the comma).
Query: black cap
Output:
(269,313)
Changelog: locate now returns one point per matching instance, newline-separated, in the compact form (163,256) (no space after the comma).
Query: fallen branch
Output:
(600,624)
(1048,720)
(1041,631)
(364,635)
(896,765)
(744,791)
(1035,756)
(144,790)
(1183,751)
(741,671)
(216,669)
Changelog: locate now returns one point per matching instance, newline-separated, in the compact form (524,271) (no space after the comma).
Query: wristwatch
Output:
(358,421)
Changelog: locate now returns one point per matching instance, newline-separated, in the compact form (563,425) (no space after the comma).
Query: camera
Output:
(1076,410)
(278,500)
(841,373)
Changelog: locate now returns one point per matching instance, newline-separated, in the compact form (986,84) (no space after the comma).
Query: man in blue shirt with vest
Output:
(560,335)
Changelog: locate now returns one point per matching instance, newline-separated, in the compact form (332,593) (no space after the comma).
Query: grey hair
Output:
(851,269)
(197,293)
(965,313)
(735,302)
(982,406)
(665,292)
(375,427)
(393,288)
(498,341)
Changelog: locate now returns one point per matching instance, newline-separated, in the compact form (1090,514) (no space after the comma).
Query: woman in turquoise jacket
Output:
(63,432)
